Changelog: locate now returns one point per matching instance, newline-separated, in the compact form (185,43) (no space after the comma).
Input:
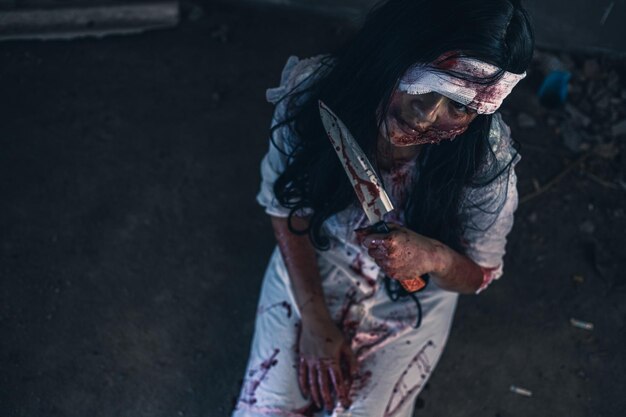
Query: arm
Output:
(321,345)
(457,272)
(404,254)
(301,262)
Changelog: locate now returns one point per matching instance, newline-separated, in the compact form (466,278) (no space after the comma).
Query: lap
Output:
(395,360)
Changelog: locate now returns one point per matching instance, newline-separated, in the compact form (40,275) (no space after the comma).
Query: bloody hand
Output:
(327,364)
(403,254)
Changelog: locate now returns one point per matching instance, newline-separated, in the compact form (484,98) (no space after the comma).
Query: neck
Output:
(389,155)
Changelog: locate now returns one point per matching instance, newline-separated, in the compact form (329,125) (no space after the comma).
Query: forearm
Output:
(457,272)
(301,262)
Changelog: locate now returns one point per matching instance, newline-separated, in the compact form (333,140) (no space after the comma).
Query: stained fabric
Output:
(481,97)
(395,359)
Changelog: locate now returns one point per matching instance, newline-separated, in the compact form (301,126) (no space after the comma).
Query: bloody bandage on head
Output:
(479,86)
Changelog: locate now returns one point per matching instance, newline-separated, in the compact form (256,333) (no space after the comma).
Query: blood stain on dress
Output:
(399,178)
(401,391)
(401,317)
(357,267)
(350,300)
(361,380)
(349,328)
(283,304)
(372,340)
(357,264)
(248,396)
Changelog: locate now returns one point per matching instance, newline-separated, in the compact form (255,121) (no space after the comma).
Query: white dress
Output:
(395,359)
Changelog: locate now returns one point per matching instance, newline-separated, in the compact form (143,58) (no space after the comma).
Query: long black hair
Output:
(362,76)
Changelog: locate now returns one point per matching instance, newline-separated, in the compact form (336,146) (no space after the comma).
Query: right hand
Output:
(327,363)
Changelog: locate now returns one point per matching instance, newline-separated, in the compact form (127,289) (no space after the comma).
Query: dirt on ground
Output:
(132,248)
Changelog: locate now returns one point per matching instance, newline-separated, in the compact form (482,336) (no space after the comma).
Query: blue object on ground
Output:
(554,89)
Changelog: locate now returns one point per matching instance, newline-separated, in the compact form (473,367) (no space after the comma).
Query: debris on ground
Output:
(521,391)
(581,324)
(592,118)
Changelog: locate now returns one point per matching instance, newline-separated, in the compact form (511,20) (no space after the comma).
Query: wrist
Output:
(314,311)
(442,258)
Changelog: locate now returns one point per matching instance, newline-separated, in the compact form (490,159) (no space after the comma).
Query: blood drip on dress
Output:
(283,304)
(401,389)
(253,383)
(357,267)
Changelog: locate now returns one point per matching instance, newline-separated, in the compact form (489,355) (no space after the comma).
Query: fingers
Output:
(352,362)
(378,252)
(339,385)
(324,385)
(323,378)
(394,226)
(349,366)
(313,385)
(302,378)
(376,239)
(366,232)
(361,234)
(384,258)
(349,359)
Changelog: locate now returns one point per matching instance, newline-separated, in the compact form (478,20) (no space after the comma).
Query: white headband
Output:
(483,98)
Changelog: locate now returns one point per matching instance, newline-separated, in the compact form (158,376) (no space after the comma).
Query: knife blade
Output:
(365,182)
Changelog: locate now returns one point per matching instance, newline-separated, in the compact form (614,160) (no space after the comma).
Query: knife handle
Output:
(410,285)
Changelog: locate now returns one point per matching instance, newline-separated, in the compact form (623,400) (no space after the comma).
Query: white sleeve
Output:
(294,76)
(488,211)
(272,165)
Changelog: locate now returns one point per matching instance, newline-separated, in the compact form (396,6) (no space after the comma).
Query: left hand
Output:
(403,254)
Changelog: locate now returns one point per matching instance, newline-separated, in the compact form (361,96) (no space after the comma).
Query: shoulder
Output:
(297,75)
(501,142)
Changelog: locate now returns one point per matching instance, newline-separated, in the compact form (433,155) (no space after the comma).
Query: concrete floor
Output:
(132,249)
(572,25)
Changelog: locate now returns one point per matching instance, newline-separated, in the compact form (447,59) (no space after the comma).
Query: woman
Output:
(418,88)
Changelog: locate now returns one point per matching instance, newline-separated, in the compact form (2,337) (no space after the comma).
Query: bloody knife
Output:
(367,186)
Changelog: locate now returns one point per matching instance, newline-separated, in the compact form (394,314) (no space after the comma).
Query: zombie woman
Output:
(418,87)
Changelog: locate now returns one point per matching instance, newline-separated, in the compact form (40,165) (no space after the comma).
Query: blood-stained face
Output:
(418,119)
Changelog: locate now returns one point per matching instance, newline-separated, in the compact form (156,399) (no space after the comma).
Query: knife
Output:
(365,182)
